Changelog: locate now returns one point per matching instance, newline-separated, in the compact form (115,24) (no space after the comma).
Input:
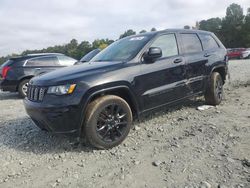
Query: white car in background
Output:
(245,54)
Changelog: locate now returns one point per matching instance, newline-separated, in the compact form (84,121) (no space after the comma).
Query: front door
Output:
(163,81)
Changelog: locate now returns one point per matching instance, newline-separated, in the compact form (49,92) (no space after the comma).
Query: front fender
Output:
(109,89)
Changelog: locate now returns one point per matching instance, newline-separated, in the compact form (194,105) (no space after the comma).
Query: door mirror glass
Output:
(152,54)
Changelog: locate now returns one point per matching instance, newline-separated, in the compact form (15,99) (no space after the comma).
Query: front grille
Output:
(36,93)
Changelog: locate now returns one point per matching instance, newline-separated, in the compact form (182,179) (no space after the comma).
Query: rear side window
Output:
(208,42)
(191,42)
(168,45)
(42,62)
(66,61)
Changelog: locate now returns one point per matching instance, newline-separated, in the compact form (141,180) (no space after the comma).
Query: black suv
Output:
(16,72)
(134,75)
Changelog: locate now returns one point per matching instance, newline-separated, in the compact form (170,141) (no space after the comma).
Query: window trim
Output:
(39,57)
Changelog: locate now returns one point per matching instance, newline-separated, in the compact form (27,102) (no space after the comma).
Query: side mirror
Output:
(152,54)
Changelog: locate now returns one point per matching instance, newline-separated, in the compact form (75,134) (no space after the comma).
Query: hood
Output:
(73,73)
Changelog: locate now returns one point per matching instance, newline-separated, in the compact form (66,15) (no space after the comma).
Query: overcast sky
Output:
(36,24)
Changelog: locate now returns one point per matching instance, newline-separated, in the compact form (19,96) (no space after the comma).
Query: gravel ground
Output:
(174,147)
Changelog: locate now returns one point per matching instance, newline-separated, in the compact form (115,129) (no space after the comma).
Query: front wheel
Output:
(23,88)
(214,92)
(108,121)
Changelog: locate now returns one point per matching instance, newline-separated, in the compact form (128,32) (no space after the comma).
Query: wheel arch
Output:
(121,91)
(222,70)
(22,79)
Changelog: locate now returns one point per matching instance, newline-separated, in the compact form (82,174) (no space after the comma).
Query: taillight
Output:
(5,71)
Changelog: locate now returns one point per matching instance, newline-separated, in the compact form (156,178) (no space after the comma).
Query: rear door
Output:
(196,61)
(163,81)
(214,53)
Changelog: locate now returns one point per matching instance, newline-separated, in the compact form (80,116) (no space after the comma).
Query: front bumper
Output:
(7,85)
(64,119)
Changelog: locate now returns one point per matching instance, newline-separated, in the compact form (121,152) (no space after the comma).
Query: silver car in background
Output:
(246,54)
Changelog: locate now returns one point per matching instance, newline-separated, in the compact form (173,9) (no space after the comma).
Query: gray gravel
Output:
(175,147)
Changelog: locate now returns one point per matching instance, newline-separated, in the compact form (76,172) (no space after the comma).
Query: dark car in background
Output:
(235,53)
(132,76)
(16,73)
(88,56)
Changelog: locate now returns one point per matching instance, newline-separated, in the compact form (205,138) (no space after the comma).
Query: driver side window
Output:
(168,45)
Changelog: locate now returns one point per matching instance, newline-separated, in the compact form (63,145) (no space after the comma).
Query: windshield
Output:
(123,50)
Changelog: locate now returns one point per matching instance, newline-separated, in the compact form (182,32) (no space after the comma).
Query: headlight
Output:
(62,90)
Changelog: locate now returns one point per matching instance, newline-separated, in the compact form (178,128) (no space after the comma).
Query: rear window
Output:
(208,42)
(191,43)
(66,61)
(42,62)
(6,63)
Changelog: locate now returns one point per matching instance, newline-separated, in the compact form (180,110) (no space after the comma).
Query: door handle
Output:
(207,55)
(37,68)
(178,60)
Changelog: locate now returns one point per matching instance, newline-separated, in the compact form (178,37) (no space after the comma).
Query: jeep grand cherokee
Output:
(134,75)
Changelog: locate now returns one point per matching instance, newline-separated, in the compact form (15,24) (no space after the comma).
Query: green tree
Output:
(101,43)
(83,48)
(153,29)
(127,33)
(71,48)
(143,31)
(246,29)
(212,25)
(232,26)
(186,27)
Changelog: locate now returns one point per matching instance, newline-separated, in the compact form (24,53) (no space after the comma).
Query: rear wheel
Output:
(214,92)
(23,88)
(108,121)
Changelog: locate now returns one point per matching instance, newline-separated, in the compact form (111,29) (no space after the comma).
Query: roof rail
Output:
(37,54)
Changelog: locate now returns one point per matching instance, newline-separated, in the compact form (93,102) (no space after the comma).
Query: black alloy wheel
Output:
(112,123)
(214,92)
(107,122)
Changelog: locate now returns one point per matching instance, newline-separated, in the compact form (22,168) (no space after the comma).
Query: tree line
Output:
(233,30)
(75,49)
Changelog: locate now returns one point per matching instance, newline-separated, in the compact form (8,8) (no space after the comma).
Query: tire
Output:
(22,88)
(108,122)
(214,92)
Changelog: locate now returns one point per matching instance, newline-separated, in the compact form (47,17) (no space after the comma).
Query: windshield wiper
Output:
(100,60)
